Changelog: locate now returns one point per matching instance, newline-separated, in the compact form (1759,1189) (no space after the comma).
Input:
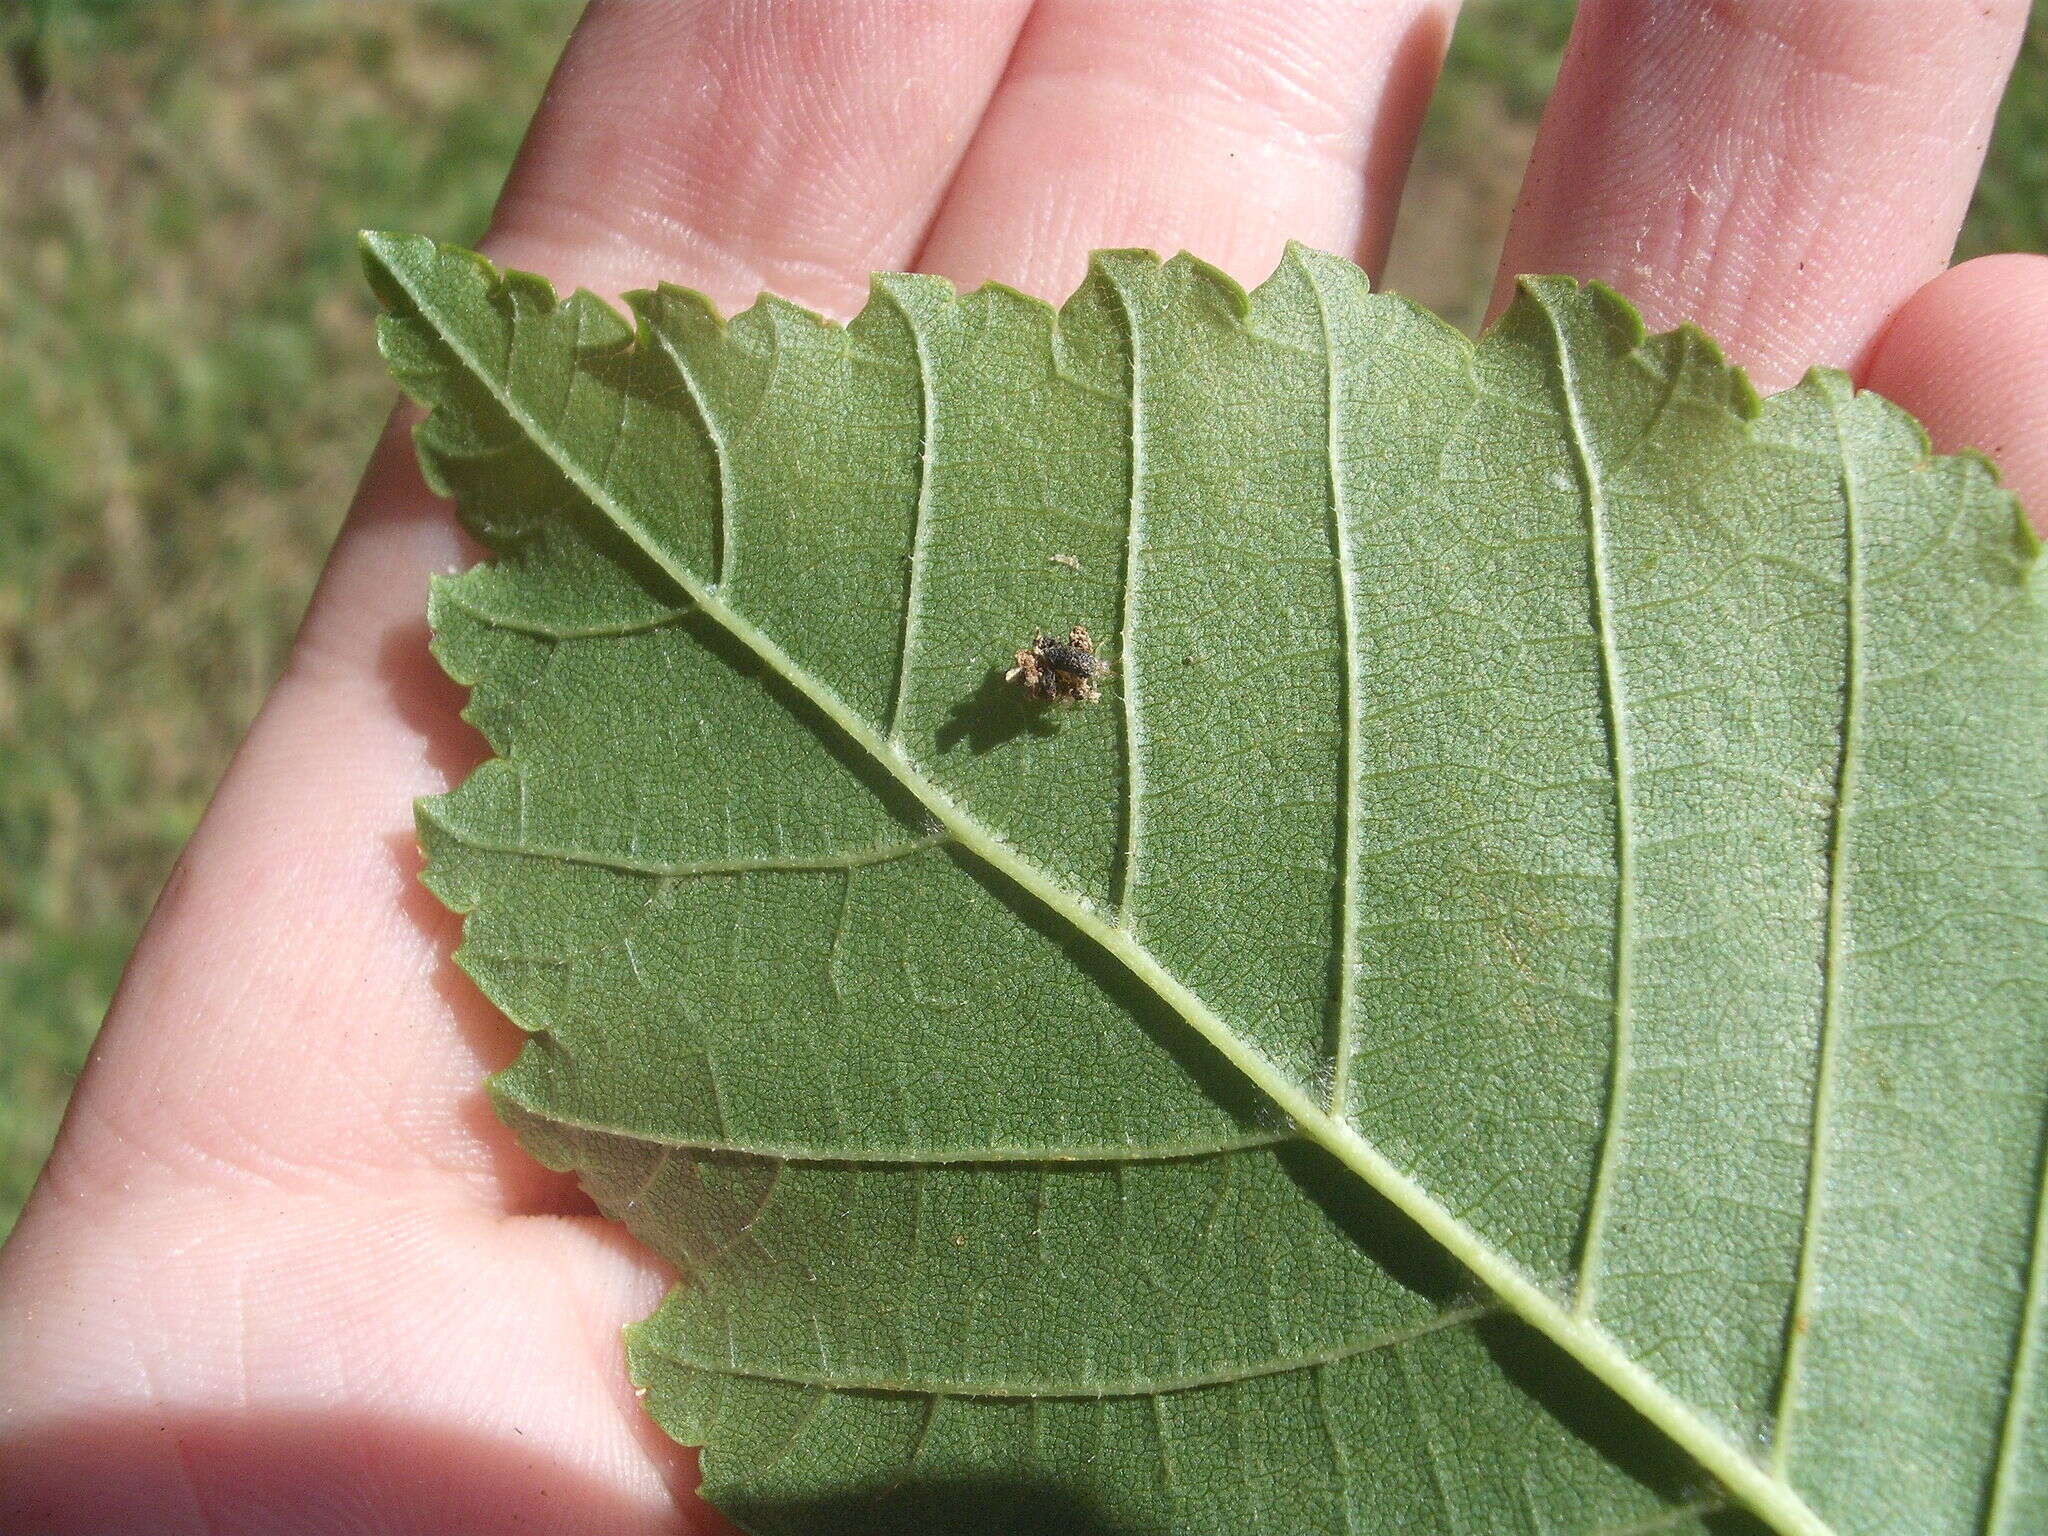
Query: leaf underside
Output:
(1520,1010)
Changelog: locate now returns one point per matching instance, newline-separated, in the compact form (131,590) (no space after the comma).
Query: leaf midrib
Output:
(1765,1494)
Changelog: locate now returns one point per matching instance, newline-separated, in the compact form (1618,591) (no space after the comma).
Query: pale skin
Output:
(285,1272)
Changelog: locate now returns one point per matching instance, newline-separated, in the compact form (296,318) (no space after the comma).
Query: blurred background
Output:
(188,386)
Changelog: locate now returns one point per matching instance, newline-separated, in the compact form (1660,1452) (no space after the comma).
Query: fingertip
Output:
(1189,125)
(743,148)
(1781,173)
(1965,355)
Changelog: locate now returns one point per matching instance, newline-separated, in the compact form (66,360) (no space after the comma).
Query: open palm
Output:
(285,1272)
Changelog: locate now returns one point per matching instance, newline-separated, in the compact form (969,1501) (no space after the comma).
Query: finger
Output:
(290,1007)
(1964,355)
(1784,173)
(753,145)
(1223,129)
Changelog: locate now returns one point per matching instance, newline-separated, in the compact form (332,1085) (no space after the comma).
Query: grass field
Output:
(190,388)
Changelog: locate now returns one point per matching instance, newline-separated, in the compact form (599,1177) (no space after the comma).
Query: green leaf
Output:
(1520,1010)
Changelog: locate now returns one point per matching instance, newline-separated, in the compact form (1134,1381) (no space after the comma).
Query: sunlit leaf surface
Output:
(1520,1009)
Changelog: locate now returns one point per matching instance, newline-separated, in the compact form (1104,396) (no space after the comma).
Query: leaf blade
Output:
(1689,385)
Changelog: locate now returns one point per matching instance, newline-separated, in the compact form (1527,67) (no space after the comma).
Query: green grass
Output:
(2010,211)
(191,388)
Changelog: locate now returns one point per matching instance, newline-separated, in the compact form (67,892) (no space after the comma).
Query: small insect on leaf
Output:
(1056,670)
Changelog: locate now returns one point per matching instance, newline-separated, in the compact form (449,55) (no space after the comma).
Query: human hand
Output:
(286,1272)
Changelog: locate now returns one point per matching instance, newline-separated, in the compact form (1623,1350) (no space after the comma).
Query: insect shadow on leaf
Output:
(994,713)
